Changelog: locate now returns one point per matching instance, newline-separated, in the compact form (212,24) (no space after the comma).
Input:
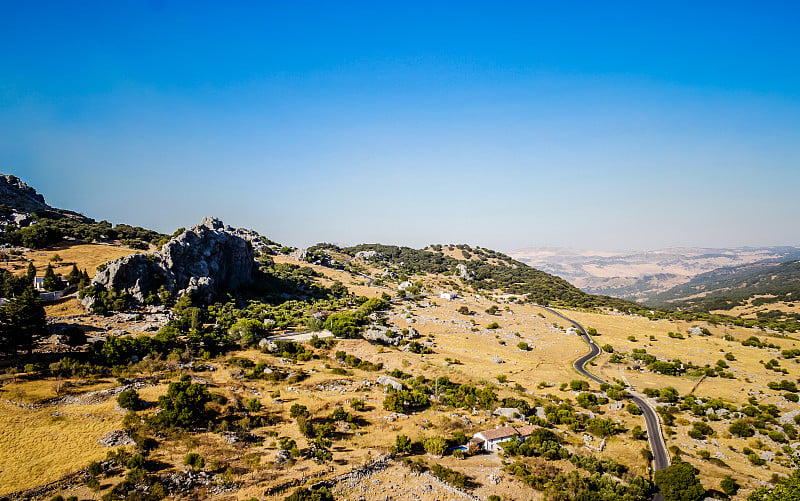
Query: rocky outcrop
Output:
(388,381)
(368,254)
(385,335)
(116,438)
(463,272)
(204,260)
(22,201)
(19,196)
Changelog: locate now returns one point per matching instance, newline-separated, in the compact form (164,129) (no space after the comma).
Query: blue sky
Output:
(603,125)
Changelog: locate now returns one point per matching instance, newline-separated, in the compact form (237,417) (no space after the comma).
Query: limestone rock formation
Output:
(205,260)
(463,272)
(19,196)
(368,254)
(22,201)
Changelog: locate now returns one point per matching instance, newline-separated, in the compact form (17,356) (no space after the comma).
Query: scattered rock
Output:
(282,457)
(617,405)
(388,381)
(695,331)
(788,418)
(116,438)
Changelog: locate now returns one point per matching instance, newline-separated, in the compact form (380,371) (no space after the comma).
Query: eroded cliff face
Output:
(19,196)
(206,259)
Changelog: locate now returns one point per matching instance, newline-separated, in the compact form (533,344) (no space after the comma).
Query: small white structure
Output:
(404,285)
(448,295)
(38,283)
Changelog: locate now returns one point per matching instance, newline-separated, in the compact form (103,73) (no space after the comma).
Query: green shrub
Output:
(194,460)
(741,428)
(729,485)
(435,445)
(129,400)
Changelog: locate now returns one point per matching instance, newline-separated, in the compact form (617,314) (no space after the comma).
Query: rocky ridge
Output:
(19,196)
(205,260)
(19,202)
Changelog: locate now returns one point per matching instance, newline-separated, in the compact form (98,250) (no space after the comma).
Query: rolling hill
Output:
(759,286)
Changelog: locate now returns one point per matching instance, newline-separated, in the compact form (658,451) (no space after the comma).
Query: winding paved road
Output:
(657,445)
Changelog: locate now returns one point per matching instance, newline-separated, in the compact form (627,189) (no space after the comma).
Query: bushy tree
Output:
(129,400)
(679,482)
(729,485)
(741,428)
(435,445)
(51,282)
(30,273)
(578,385)
(298,410)
(184,405)
(668,394)
(304,494)
(402,445)
(342,324)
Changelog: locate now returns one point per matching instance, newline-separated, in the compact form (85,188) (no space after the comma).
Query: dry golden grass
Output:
(355,283)
(66,307)
(86,256)
(42,389)
(549,359)
(700,350)
(40,446)
(749,311)
(751,380)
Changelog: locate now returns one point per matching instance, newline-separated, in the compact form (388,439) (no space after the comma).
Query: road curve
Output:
(657,445)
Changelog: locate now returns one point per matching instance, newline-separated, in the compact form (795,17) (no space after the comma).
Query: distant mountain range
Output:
(654,277)
(726,288)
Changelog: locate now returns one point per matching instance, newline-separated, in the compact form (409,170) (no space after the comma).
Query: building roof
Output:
(525,431)
(504,432)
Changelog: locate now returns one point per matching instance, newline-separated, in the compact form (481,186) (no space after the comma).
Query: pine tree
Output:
(51,282)
(23,319)
(74,275)
(31,273)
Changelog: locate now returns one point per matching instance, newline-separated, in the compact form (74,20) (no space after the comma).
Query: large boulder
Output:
(205,260)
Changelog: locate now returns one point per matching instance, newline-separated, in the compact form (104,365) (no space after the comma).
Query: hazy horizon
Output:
(504,125)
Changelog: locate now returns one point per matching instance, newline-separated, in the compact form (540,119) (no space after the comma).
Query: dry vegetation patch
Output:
(85,256)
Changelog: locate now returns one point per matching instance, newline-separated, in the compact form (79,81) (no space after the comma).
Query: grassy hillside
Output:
(488,271)
(728,288)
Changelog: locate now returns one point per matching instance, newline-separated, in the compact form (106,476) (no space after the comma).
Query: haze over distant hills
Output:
(641,276)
